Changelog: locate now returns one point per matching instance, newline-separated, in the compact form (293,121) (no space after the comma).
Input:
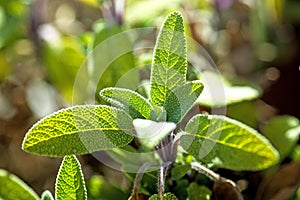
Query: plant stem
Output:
(161,179)
(138,178)
(203,170)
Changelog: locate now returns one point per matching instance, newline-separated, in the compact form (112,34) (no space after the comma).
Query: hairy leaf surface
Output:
(70,183)
(79,130)
(227,143)
(170,61)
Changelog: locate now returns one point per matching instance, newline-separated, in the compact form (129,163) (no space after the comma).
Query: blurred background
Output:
(43,43)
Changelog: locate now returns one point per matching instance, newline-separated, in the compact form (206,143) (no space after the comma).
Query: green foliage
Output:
(63,57)
(227,143)
(70,183)
(179,171)
(79,130)
(99,188)
(283,132)
(135,104)
(177,104)
(169,64)
(11,188)
(47,195)
(115,66)
(196,192)
(210,139)
(167,196)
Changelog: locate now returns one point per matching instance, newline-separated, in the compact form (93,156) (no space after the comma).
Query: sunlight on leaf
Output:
(70,183)
(227,143)
(11,188)
(169,65)
(79,130)
(133,103)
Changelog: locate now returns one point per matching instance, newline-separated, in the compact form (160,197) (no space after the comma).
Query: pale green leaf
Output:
(197,192)
(150,133)
(167,196)
(11,188)
(47,195)
(283,132)
(69,182)
(79,130)
(227,143)
(133,103)
(179,171)
(169,64)
(181,99)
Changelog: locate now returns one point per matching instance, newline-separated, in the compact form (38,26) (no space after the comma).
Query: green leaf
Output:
(283,132)
(181,99)
(227,143)
(196,192)
(133,103)
(179,171)
(47,195)
(69,182)
(79,130)
(11,188)
(169,63)
(150,133)
(167,196)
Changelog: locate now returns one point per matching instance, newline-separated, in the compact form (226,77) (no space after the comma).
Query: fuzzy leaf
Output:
(70,183)
(181,99)
(47,195)
(79,130)
(11,188)
(283,132)
(227,143)
(170,61)
(133,103)
(150,133)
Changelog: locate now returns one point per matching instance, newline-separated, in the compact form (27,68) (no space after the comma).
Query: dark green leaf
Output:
(179,171)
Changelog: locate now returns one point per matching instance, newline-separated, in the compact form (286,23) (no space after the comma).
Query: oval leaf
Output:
(79,130)
(170,61)
(227,143)
(11,188)
(181,99)
(135,104)
(70,183)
